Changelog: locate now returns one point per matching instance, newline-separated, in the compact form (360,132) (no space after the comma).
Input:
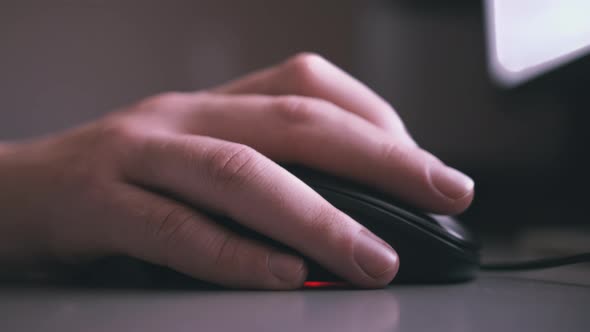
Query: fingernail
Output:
(286,267)
(450,182)
(374,257)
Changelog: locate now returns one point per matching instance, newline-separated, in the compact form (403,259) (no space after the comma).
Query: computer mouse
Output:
(431,248)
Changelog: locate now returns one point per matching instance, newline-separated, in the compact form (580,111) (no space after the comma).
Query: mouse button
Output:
(341,197)
(397,209)
(444,226)
(453,228)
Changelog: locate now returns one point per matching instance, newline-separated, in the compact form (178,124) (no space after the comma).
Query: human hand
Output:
(144,181)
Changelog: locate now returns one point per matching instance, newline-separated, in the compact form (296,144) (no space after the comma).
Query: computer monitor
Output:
(528,38)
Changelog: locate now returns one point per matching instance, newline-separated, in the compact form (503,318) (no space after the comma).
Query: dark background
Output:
(66,62)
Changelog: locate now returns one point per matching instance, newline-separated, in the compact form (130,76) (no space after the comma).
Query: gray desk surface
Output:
(490,303)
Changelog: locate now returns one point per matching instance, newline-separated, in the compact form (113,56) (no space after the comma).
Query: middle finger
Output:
(319,134)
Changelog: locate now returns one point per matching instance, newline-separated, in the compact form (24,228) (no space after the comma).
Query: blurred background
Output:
(526,143)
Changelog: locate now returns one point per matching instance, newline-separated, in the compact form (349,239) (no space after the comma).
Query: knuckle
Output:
(233,164)
(170,228)
(232,260)
(121,139)
(393,153)
(168,225)
(162,100)
(120,132)
(333,226)
(408,161)
(305,60)
(326,219)
(229,257)
(304,69)
(295,109)
(111,141)
(224,251)
(401,153)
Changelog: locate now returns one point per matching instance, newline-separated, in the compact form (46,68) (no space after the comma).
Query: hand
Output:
(143,181)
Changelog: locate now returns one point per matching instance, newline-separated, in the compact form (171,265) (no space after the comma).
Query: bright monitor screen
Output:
(526,38)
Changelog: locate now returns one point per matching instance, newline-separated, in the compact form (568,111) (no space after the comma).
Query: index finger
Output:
(236,181)
(310,75)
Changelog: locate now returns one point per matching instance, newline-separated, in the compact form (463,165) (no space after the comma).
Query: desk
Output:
(490,303)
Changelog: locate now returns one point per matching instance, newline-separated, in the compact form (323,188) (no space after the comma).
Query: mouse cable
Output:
(536,264)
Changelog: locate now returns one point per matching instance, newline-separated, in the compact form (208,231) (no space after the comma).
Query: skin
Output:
(143,181)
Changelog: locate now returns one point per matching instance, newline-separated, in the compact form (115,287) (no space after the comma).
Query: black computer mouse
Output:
(431,248)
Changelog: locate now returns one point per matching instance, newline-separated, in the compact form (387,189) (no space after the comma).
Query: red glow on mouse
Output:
(324,284)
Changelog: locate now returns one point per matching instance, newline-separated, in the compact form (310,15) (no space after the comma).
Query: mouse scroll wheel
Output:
(451,226)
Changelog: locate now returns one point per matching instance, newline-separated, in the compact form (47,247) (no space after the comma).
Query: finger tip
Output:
(388,275)
(379,282)
(451,208)
(450,183)
(288,270)
(453,190)
(300,278)
(377,261)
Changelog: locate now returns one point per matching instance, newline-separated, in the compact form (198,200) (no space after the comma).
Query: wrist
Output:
(18,234)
